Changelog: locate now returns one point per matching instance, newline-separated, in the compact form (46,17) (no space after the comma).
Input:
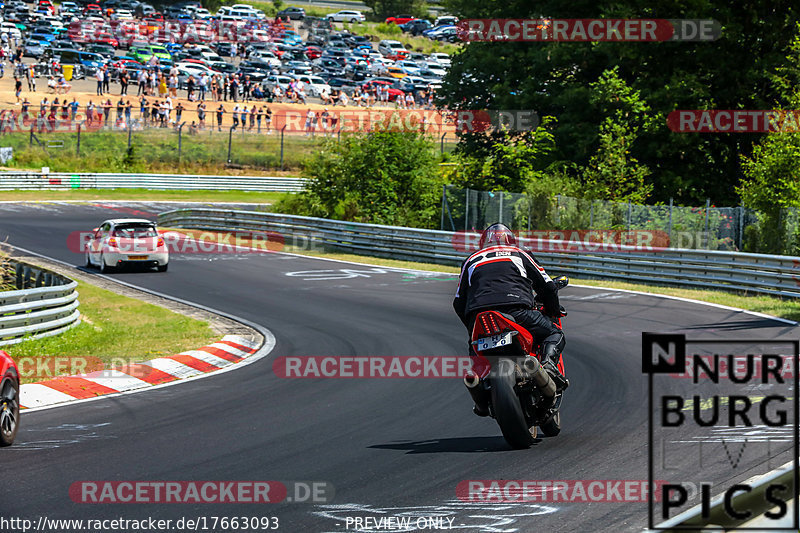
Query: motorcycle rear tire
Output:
(507,408)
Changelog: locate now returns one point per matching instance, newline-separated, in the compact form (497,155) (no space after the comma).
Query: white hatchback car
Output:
(346,16)
(127,242)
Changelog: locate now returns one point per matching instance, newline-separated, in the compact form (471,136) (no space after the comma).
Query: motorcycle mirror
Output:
(561,281)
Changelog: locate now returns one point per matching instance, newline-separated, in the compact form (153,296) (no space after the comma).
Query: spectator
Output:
(106,80)
(252,118)
(203,85)
(89,113)
(106,111)
(259,116)
(190,88)
(30,74)
(128,113)
(162,86)
(268,119)
(220,113)
(244,117)
(120,110)
(100,76)
(73,108)
(17,86)
(178,113)
(193,128)
(201,115)
(123,82)
(311,120)
(142,89)
(235,116)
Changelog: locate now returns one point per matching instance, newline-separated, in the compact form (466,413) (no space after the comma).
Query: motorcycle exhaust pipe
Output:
(540,377)
(478,394)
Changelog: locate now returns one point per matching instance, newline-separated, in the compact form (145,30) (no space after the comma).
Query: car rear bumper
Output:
(150,259)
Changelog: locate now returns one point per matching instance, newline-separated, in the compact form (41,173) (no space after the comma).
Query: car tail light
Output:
(112,242)
(160,242)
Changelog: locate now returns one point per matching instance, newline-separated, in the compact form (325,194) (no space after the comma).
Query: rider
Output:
(502,277)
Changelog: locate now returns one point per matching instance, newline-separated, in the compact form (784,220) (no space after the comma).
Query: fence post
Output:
(78,144)
(630,214)
(669,226)
(466,211)
(741,227)
(283,130)
(130,131)
(230,142)
(444,188)
(441,147)
(501,207)
(708,205)
(180,139)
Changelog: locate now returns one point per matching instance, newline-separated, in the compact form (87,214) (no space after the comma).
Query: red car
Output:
(393,93)
(9,399)
(46,4)
(313,52)
(105,38)
(400,19)
(93,9)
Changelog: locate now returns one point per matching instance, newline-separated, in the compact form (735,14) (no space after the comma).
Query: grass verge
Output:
(114,329)
(142,195)
(783,308)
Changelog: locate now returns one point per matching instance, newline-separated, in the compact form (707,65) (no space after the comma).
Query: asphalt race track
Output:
(390,447)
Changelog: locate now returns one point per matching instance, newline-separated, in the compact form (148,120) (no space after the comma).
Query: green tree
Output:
(390,8)
(383,177)
(554,78)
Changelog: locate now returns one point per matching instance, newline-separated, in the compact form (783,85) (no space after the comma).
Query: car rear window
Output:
(135,231)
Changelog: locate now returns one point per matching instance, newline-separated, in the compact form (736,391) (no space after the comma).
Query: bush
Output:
(380,177)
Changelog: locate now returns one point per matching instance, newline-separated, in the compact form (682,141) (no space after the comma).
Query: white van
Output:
(390,47)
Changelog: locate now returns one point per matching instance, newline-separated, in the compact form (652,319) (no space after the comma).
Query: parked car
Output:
(390,47)
(293,13)
(9,399)
(127,241)
(346,15)
(400,19)
(416,26)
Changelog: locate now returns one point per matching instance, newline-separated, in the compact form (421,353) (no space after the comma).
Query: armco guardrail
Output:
(72,180)
(755,273)
(754,500)
(46,304)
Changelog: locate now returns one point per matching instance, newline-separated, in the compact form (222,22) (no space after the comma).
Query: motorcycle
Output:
(509,379)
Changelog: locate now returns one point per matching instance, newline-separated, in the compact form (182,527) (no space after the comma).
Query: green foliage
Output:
(380,177)
(509,161)
(733,72)
(771,174)
(389,30)
(612,174)
(389,8)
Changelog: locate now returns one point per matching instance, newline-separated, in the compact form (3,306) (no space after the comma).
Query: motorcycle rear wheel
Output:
(507,408)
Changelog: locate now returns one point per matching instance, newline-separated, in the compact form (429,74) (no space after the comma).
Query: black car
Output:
(105,50)
(416,26)
(256,74)
(224,67)
(293,13)
(225,49)
(354,40)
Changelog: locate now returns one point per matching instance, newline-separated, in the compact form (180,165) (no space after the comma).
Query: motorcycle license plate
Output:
(495,341)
